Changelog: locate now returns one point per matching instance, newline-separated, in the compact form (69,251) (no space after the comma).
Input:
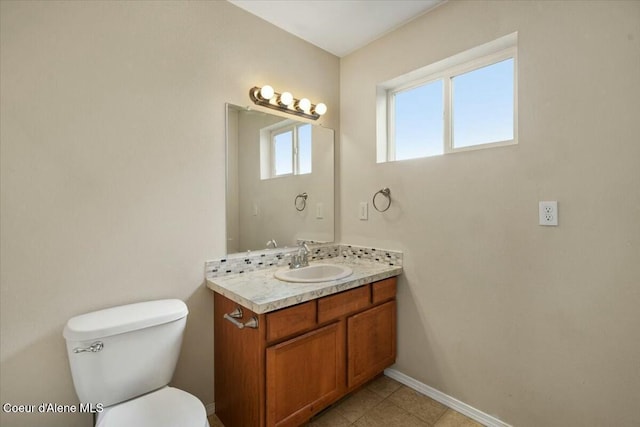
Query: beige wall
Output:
(536,325)
(113,166)
(232,193)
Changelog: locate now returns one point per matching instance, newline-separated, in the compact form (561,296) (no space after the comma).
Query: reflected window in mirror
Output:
(304,149)
(282,153)
(290,150)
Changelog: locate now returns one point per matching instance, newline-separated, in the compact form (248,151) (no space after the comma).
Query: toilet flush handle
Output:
(93,348)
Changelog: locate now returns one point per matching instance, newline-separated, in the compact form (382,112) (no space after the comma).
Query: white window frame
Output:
(295,152)
(272,159)
(473,59)
(391,109)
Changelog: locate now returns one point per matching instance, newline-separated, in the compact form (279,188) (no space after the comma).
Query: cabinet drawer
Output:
(337,305)
(383,290)
(291,320)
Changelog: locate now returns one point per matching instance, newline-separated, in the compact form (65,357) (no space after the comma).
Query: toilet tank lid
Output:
(124,318)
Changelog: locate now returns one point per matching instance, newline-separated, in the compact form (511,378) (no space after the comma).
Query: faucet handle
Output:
(272,244)
(303,244)
(303,253)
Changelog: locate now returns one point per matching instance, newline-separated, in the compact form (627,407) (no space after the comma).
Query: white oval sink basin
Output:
(314,273)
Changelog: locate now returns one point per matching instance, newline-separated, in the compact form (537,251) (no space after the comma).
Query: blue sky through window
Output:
(304,149)
(419,127)
(482,112)
(283,153)
(483,105)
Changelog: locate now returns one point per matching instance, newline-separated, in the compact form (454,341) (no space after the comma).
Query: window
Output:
(290,150)
(282,153)
(468,101)
(482,104)
(304,149)
(417,122)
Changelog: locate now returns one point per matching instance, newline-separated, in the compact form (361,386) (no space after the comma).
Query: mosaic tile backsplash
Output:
(251,261)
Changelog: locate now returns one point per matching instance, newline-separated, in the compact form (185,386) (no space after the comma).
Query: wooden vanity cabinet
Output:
(304,375)
(239,365)
(371,343)
(302,358)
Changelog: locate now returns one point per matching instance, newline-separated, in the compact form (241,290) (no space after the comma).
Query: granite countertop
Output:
(260,292)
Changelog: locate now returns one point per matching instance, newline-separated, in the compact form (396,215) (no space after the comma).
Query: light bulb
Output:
(266,92)
(320,109)
(285,99)
(304,104)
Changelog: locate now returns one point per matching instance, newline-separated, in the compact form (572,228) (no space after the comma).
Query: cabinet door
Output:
(371,338)
(304,375)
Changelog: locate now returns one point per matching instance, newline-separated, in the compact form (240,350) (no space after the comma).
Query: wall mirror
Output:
(280,181)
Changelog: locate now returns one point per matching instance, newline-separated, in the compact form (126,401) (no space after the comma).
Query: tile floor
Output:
(385,403)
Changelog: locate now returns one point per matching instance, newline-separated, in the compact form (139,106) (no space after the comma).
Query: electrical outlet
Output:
(548,212)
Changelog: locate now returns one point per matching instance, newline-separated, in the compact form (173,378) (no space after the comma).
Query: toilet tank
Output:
(122,352)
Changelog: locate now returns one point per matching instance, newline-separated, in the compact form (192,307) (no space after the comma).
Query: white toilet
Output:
(124,357)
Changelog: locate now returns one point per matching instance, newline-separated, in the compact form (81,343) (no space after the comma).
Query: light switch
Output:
(319,211)
(363,212)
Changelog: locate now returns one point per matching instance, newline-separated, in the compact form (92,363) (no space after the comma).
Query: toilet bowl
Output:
(122,359)
(165,407)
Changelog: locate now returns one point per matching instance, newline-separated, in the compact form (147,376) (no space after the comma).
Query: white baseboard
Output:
(210,408)
(445,399)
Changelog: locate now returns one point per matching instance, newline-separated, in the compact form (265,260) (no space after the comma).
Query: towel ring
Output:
(300,202)
(386,193)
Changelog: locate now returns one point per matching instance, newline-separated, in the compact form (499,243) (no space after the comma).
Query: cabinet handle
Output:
(251,323)
(237,313)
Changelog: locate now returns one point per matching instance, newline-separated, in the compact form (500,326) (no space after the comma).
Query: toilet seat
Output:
(167,407)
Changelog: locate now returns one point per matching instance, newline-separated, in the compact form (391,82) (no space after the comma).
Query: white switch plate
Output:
(363,212)
(548,212)
(319,211)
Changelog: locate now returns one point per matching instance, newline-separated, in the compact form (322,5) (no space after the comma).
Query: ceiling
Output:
(338,26)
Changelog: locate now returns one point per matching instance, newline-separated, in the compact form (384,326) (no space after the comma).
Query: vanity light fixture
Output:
(285,99)
(267,97)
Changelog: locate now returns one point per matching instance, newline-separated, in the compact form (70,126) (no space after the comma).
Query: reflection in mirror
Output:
(271,162)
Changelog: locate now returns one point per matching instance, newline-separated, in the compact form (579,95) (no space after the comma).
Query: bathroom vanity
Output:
(285,351)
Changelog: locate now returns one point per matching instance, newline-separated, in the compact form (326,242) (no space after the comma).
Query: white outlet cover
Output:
(548,213)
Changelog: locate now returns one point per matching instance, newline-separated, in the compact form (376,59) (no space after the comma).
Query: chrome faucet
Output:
(301,259)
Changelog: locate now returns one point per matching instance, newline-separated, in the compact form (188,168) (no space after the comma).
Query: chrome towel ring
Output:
(300,202)
(386,193)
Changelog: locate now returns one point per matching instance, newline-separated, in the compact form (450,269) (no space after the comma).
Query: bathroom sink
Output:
(314,273)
